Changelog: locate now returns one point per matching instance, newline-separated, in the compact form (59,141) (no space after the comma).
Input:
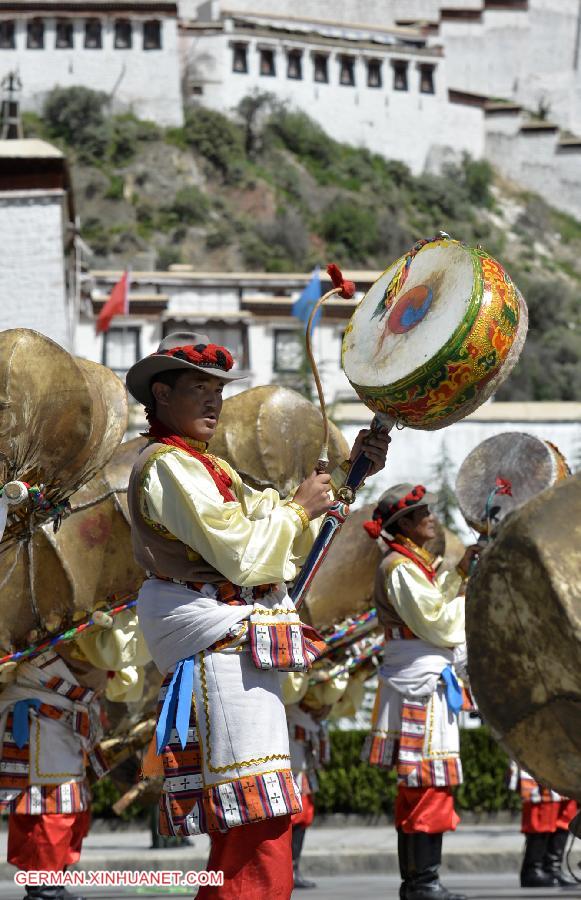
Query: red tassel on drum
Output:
(373,528)
(336,276)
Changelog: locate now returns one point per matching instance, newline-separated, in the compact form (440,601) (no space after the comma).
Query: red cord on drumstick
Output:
(346,290)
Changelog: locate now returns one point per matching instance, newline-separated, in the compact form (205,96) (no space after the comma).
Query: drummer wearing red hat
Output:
(218,619)
(415,721)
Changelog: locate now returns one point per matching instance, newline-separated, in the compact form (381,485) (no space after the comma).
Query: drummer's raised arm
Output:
(374,444)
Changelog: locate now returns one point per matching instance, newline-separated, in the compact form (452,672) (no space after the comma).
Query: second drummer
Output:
(415,722)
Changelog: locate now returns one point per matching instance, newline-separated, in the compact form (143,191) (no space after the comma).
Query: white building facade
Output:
(38,262)
(371,86)
(126,49)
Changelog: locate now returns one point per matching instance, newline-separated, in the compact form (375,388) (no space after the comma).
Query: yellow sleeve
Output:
(114,648)
(434,615)
(255,540)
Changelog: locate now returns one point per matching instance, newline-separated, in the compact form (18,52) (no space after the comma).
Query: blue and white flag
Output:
(303,306)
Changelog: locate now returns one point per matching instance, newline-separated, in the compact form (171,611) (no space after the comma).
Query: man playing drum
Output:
(218,620)
(415,720)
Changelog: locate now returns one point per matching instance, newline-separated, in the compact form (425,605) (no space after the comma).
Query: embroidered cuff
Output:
(300,511)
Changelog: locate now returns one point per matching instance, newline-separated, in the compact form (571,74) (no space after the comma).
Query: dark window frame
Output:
(377,65)
(135,330)
(240,52)
(294,56)
(64,36)
(401,70)
(265,54)
(123,41)
(8,34)
(427,72)
(152,34)
(93,34)
(321,66)
(347,64)
(31,25)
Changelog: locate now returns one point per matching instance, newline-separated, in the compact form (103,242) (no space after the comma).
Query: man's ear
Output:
(160,392)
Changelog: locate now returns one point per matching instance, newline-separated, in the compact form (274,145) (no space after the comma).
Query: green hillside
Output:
(271,192)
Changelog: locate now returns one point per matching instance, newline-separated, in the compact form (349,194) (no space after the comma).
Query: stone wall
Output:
(32,282)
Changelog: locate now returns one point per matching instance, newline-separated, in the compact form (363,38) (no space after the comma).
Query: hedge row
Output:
(350,786)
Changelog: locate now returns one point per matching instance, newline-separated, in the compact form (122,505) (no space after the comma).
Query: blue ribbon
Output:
(454,694)
(177,705)
(20,721)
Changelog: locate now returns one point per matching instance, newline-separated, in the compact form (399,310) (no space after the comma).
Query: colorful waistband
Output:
(232,594)
(400,634)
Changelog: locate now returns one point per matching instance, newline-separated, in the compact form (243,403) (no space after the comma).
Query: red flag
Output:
(116,305)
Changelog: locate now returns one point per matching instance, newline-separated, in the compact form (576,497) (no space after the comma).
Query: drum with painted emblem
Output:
(435,335)
(504,472)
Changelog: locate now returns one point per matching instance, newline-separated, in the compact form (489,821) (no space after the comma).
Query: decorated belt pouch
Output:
(279,640)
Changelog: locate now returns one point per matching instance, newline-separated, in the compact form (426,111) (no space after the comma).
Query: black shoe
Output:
(553,859)
(301,883)
(532,873)
(66,895)
(424,859)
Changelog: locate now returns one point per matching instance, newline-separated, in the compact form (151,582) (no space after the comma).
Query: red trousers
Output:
(305,818)
(46,843)
(543,818)
(256,860)
(429,810)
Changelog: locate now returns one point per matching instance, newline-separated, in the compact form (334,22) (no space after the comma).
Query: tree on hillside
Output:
(447,504)
(252,110)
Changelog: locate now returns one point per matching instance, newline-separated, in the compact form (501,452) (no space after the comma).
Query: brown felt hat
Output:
(180,350)
(402,499)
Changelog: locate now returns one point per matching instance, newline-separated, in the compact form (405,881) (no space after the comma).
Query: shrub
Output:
(190,205)
(477,176)
(350,230)
(350,786)
(75,115)
(218,140)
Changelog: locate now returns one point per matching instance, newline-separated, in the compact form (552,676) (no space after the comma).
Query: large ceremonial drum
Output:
(52,580)
(523,621)
(504,472)
(272,437)
(435,335)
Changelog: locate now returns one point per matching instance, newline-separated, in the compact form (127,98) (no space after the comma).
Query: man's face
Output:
(419,526)
(193,406)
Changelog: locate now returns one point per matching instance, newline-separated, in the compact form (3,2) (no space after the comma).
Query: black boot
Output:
(298,837)
(44,892)
(553,859)
(424,860)
(403,856)
(532,873)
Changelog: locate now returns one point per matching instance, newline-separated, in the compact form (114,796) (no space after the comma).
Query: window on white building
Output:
(64,38)
(240,58)
(35,34)
(123,34)
(374,73)
(267,65)
(93,34)
(400,75)
(321,68)
(347,71)
(7,36)
(232,335)
(289,351)
(152,35)
(427,78)
(121,348)
(295,64)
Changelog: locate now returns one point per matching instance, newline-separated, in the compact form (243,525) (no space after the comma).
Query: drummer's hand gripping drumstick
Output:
(360,466)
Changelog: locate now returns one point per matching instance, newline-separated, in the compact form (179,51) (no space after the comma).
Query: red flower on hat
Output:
(204,355)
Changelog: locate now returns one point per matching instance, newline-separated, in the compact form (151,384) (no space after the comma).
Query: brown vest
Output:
(154,548)
(386,612)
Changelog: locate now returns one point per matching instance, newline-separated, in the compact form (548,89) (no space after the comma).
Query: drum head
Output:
(525,463)
(392,335)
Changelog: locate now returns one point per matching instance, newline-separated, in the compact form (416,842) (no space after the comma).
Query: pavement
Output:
(348,862)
